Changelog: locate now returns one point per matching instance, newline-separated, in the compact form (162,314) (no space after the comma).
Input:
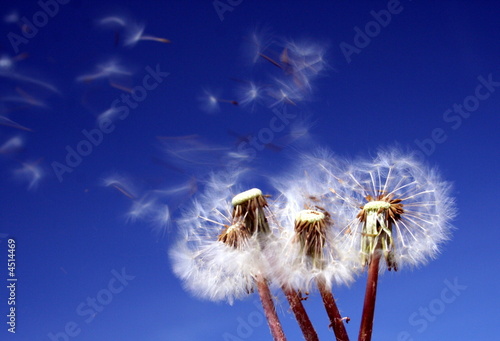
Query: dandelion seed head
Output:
(406,209)
(308,235)
(216,257)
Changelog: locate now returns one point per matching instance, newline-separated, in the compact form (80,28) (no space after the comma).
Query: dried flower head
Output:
(379,216)
(310,232)
(248,211)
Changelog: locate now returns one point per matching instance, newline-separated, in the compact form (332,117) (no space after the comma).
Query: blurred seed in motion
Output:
(9,123)
(31,172)
(121,184)
(12,145)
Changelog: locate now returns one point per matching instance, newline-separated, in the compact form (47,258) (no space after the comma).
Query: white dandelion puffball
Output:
(395,205)
(216,258)
(309,237)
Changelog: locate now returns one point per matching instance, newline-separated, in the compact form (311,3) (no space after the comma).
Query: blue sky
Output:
(78,226)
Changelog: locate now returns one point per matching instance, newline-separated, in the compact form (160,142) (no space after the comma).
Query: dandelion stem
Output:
(269,309)
(336,321)
(298,309)
(365,330)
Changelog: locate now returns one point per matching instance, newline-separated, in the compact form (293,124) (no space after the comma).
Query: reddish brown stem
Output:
(333,312)
(269,309)
(298,309)
(365,330)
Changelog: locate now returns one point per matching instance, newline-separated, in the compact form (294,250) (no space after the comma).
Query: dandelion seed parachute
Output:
(31,172)
(106,70)
(12,145)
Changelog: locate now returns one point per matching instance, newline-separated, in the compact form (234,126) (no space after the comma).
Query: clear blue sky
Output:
(77,239)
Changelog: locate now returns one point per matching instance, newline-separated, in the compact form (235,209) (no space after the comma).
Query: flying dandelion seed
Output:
(30,101)
(135,33)
(26,79)
(31,172)
(249,93)
(192,152)
(121,87)
(28,98)
(11,18)
(305,60)
(143,208)
(211,103)
(12,145)
(270,60)
(109,114)
(6,63)
(258,42)
(113,20)
(106,70)
(122,184)
(283,94)
(5,121)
